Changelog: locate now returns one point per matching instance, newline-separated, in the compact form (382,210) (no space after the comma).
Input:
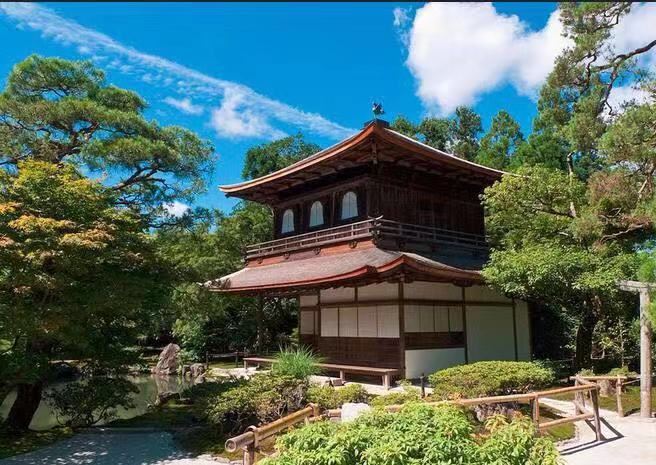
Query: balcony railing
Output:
(377,228)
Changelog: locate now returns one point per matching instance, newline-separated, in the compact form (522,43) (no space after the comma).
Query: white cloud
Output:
(626,94)
(185,105)
(459,51)
(176,208)
(235,119)
(159,71)
(401,16)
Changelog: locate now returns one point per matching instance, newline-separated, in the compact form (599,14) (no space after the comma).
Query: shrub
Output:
(417,434)
(263,398)
(395,398)
(299,363)
(489,378)
(328,397)
(91,401)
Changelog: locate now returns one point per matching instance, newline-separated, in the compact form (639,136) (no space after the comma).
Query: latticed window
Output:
(349,205)
(287,221)
(316,214)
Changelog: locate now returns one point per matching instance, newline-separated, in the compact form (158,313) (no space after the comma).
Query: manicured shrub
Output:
(263,398)
(299,363)
(489,378)
(328,397)
(417,434)
(395,398)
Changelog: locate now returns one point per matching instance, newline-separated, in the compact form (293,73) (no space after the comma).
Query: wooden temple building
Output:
(382,239)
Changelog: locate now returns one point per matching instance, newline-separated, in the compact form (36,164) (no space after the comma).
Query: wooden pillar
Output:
(401,328)
(259,316)
(645,355)
(514,317)
(464,323)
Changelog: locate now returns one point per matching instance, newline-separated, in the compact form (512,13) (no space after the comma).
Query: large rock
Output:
(197,370)
(168,361)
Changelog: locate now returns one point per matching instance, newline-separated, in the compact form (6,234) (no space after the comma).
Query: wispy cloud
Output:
(176,208)
(185,105)
(235,101)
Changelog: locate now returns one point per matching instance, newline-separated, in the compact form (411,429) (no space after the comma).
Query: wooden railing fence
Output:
(250,440)
(621,381)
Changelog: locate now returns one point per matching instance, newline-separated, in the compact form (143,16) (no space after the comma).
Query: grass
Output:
(13,444)
(559,432)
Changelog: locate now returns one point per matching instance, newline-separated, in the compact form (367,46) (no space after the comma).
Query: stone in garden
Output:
(197,370)
(168,361)
(351,411)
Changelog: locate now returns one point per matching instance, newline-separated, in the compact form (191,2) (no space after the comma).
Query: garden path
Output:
(141,447)
(629,440)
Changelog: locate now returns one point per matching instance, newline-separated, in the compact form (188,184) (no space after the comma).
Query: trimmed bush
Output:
(263,398)
(328,397)
(417,434)
(489,378)
(299,363)
(395,398)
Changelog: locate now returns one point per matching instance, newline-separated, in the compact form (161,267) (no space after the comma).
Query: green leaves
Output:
(267,158)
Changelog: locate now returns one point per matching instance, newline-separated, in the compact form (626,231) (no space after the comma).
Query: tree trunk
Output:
(27,401)
(583,355)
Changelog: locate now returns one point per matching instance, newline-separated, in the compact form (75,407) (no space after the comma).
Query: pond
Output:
(149,387)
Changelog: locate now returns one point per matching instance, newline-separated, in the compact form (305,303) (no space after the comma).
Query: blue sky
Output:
(242,74)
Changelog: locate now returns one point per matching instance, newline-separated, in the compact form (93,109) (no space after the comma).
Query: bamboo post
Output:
(618,396)
(422,382)
(249,454)
(594,394)
(535,411)
(578,397)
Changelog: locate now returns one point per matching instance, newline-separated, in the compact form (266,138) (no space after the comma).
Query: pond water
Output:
(149,387)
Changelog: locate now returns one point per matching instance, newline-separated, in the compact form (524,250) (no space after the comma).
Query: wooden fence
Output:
(620,382)
(250,441)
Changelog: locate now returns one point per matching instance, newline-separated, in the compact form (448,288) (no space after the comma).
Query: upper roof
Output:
(375,142)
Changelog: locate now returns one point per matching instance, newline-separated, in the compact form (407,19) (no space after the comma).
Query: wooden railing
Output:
(250,441)
(620,382)
(378,228)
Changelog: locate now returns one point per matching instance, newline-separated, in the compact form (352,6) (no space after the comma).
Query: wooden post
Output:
(618,396)
(645,342)
(249,454)
(594,394)
(535,412)
(260,324)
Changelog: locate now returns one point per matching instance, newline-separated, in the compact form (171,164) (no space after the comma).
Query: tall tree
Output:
(272,156)
(501,141)
(78,274)
(466,127)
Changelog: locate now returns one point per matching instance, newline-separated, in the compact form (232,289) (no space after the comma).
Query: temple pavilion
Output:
(382,238)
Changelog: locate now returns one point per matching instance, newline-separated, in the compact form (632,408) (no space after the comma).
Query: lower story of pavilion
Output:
(386,309)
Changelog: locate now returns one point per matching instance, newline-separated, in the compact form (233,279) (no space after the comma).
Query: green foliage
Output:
(500,142)
(85,403)
(417,434)
(262,398)
(296,362)
(272,156)
(489,378)
(395,398)
(327,397)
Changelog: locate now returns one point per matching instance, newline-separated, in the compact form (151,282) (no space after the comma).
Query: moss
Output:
(20,443)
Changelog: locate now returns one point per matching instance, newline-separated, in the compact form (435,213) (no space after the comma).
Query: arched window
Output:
(349,205)
(287,221)
(316,214)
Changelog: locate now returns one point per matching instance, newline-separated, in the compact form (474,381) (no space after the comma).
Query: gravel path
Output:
(629,440)
(111,448)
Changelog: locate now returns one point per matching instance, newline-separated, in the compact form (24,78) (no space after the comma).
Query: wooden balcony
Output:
(378,229)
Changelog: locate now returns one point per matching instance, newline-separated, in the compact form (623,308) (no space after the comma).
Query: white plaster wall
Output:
(490,333)
(428,361)
(339,294)
(484,294)
(523,330)
(381,291)
(431,291)
(308,300)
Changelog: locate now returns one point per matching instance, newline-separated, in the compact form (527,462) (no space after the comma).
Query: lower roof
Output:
(343,269)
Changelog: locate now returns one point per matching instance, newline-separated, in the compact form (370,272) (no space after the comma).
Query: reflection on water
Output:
(149,386)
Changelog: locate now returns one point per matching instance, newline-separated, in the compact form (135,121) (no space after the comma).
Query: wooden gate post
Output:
(645,342)
(594,394)
(618,396)
(249,454)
